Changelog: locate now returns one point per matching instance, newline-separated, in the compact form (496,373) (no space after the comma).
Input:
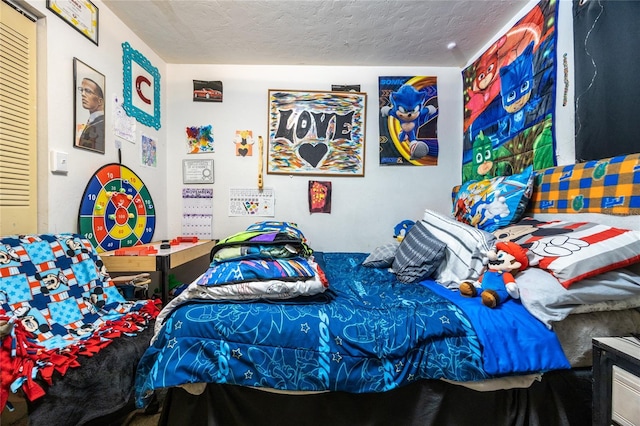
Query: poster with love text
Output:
(316,133)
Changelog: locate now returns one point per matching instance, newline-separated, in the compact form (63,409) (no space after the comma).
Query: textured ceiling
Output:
(316,32)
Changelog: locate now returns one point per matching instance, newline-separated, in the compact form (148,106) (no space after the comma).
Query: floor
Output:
(144,420)
(19,416)
(137,420)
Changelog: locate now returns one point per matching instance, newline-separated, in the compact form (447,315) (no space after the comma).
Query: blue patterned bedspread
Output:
(368,333)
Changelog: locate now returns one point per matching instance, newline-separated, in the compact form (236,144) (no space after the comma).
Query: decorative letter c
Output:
(139,80)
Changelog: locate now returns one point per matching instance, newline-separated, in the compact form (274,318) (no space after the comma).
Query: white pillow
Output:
(573,251)
(546,299)
(466,248)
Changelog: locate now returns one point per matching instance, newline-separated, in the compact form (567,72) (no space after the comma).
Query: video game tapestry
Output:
(408,121)
(509,100)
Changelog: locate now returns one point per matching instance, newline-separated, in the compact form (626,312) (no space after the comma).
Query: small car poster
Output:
(207,91)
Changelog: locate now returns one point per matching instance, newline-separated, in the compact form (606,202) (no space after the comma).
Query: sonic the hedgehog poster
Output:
(408,121)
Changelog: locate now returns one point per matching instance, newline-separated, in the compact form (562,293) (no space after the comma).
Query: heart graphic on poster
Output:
(312,154)
(243,151)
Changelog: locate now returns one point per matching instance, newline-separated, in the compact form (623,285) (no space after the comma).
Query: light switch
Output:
(59,162)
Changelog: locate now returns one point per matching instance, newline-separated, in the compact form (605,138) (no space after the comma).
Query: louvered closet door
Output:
(18,155)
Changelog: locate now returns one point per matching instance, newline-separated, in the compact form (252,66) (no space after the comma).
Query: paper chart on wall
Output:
(124,126)
(251,202)
(197,212)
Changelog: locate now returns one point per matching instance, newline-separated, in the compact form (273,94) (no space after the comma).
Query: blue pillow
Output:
(494,203)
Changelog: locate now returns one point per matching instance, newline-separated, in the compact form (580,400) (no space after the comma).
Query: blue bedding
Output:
(367,333)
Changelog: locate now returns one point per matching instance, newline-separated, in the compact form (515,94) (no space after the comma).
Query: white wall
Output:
(364,210)
(59,43)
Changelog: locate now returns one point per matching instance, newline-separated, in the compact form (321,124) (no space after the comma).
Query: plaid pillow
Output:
(382,257)
(419,255)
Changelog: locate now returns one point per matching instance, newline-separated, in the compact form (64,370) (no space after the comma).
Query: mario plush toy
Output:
(497,284)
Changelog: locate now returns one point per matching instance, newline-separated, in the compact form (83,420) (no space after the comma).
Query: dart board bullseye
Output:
(116,209)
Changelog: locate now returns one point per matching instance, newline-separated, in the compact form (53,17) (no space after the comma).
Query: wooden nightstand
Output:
(616,381)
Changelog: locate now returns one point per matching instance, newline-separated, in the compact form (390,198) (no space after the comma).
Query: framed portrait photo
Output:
(89,107)
(316,133)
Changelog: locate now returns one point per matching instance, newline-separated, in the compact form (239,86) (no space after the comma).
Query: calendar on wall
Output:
(251,202)
(197,212)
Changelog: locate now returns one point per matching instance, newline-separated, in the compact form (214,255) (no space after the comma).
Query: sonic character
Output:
(408,107)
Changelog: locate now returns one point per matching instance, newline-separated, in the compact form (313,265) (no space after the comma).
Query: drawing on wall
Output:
(509,100)
(319,197)
(251,202)
(124,127)
(149,151)
(316,133)
(244,143)
(207,91)
(408,121)
(199,139)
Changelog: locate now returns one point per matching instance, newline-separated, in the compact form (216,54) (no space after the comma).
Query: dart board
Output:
(116,209)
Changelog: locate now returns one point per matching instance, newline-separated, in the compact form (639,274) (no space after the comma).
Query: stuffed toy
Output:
(497,284)
(402,229)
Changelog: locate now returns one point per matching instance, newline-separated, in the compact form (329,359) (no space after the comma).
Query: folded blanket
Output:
(246,291)
(267,261)
(244,270)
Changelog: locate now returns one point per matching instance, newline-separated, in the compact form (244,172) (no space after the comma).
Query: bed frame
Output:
(427,402)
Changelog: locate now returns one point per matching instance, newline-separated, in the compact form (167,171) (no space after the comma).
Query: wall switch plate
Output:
(59,162)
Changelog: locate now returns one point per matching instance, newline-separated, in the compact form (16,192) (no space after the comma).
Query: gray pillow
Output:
(546,299)
(419,255)
(382,257)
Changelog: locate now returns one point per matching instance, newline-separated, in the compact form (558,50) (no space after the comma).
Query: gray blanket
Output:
(98,391)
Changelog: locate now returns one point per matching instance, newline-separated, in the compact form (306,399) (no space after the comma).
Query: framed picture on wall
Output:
(141,87)
(316,133)
(197,171)
(89,107)
(81,15)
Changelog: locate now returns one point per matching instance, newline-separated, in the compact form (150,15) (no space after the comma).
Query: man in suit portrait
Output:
(92,135)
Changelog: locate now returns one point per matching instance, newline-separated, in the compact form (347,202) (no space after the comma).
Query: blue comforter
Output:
(368,333)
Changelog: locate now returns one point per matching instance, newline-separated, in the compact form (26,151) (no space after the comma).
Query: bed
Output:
(276,333)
